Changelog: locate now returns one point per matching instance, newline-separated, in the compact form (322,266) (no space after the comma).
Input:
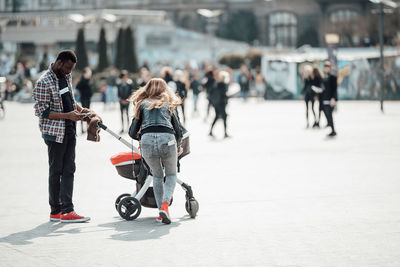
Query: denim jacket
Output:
(156,117)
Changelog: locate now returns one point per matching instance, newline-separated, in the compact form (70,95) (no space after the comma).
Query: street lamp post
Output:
(212,26)
(381,53)
(381,4)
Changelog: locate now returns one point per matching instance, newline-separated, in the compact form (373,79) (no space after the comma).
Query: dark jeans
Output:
(61,174)
(328,114)
(124,110)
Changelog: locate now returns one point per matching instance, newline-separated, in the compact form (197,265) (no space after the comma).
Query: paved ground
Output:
(275,194)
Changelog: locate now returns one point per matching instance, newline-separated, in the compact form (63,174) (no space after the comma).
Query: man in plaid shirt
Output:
(58,112)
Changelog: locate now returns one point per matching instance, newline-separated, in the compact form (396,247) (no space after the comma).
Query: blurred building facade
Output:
(277,23)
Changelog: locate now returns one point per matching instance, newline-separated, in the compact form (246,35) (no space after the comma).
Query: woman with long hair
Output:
(154,109)
(317,82)
(308,92)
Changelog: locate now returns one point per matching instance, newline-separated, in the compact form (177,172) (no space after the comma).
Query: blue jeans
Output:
(158,150)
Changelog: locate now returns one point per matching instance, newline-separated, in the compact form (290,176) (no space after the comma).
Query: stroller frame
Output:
(129,206)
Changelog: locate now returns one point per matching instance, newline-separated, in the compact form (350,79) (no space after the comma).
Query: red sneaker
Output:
(164,213)
(159,219)
(72,217)
(55,217)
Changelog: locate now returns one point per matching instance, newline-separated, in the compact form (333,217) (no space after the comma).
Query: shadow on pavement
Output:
(47,229)
(141,229)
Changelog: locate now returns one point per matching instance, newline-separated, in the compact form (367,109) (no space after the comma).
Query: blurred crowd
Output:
(113,86)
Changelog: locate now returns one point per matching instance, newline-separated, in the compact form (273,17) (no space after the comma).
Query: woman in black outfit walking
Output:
(316,82)
(219,100)
(308,92)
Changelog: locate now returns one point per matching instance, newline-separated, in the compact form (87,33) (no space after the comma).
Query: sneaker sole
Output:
(165,217)
(54,220)
(75,221)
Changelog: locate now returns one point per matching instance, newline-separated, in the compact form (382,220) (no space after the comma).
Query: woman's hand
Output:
(180,151)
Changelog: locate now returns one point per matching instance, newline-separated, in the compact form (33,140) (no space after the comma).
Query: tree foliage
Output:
(103,62)
(240,25)
(130,59)
(81,51)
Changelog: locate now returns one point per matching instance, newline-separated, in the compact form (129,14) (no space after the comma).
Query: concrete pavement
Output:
(275,194)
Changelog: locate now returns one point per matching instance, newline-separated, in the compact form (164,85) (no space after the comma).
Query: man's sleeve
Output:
(41,96)
(334,87)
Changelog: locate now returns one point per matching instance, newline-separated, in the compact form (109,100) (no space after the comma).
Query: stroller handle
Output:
(118,137)
(101,125)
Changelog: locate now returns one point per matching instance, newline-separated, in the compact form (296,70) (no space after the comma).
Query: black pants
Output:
(85,102)
(328,114)
(61,174)
(220,112)
(124,108)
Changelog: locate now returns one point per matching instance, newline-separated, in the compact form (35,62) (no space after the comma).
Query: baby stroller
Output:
(132,166)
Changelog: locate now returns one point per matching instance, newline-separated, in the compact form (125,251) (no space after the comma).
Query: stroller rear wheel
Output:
(129,208)
(119,198)
(192,207)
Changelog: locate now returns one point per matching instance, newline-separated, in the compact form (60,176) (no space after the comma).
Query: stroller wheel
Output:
(192,207)
(119,199)
(129,208)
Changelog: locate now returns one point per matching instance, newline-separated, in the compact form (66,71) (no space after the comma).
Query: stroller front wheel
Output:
(129,208)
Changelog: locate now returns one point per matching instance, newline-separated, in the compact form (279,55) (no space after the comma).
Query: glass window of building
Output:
(282,29)
(343,15)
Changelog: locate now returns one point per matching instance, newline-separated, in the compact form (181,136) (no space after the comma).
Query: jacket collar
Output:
(68,76)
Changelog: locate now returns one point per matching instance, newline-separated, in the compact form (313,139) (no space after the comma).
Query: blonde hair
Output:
(157,93)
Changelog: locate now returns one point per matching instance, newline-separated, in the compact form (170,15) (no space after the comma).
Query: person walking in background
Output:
(219,100)
(209,83)
(110,93)
(154,109)
(316,83)
(58,112)
(244,82)
(85,90)
(166,75)
(145,76)
(329,95)
(195,85)
(181,90)
(125,89)
(260,85)
(308,92)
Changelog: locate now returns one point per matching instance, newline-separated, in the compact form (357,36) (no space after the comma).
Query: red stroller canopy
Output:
(124,157)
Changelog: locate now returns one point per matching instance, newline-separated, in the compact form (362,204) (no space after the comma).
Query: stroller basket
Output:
(127,164)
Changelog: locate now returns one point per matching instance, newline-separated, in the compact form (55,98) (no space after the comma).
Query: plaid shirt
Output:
(47,97)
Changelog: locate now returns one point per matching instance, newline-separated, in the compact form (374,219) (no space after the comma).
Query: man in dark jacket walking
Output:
(85,90)
(329,95)
(125,89)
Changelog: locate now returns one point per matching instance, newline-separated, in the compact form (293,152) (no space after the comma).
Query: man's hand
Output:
(85,110)
(75,115)
(333,102)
